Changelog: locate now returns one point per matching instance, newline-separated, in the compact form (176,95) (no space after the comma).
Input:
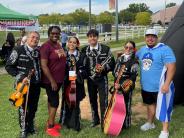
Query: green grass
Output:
(9,127)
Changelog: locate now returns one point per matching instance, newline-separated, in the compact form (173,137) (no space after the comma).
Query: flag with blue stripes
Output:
(165,100)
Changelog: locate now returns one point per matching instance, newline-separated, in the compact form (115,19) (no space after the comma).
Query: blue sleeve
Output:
(168,56)
(137,54)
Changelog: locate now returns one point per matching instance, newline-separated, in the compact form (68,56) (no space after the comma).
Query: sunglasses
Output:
(128,47)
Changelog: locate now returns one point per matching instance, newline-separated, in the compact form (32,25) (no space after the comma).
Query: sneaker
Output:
(52,132)
(57,126)
(147,126)
(164,134)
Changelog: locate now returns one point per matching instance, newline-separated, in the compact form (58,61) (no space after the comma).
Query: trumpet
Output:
(107,60)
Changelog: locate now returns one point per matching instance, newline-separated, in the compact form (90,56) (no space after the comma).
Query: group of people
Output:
(10,43)
(58,68)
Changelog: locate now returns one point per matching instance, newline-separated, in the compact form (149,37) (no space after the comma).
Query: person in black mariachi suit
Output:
(94,55)
(21,61)
(129,64)
(70,116)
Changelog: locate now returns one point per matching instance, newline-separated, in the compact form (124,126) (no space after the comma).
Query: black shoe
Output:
(95,123)
(23,134)
(31,130)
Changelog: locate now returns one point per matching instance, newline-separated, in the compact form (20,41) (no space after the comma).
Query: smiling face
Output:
(33,39)
(72,43)
(54,35)
(128,48)
(92,39)
(151,40)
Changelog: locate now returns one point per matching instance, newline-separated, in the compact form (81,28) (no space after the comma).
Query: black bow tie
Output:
(94,52)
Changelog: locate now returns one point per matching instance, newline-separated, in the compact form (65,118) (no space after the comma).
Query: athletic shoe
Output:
(52,132)
(164,134)
(147,126)
(57,126)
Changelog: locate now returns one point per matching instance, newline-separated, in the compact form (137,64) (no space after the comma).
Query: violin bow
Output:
(26,102)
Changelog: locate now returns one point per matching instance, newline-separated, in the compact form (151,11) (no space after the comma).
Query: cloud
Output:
(37,7)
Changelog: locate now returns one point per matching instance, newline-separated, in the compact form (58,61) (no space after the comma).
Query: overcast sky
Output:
(37,7)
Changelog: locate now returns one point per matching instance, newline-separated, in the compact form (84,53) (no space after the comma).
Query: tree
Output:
(54,18)
(143,18)
(126,16)
(80,16)
(141,7)
(67,19)
(105,18)
(170,5)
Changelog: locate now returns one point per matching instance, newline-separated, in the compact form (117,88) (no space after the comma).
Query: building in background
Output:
(164,16)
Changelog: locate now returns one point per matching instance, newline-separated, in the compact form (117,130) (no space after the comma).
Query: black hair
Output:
(52,27)
(132,42)
(93,32)
(11,39)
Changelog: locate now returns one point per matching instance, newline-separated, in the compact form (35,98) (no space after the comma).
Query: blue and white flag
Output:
(165,100)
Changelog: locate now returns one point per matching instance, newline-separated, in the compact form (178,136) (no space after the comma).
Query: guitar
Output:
(116,111)
(70,91)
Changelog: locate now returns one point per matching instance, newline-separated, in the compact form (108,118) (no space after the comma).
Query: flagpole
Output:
(89,14)
(117,34)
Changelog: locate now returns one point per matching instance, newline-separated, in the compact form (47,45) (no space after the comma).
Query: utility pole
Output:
(117,34)
(89,14)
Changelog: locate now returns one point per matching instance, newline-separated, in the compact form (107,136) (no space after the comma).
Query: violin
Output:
(17,97)
(70,90)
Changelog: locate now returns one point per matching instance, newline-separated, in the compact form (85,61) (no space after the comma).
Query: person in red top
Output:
(53,62)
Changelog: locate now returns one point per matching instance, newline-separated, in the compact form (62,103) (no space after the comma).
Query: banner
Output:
(7,23)
(112,4)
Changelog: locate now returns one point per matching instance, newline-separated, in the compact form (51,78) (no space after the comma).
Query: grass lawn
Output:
(9,127)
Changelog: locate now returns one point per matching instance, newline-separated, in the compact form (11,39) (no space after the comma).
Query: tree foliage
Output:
(143,18)
(105,18)
(81,17)
(135,8)
(170,5)
(126,16)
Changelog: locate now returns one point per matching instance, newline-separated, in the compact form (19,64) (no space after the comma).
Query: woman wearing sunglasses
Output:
(127,63)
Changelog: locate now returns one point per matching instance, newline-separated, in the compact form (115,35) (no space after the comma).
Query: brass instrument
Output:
(107,60)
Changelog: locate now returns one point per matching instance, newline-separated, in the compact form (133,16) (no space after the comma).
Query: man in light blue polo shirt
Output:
(153,57)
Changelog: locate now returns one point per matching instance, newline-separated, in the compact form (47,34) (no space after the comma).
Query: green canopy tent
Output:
(8,14)
(10,18)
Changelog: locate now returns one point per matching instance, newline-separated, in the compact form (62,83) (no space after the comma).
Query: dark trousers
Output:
(99,86)
(128,101)
(33,98)
(70,117)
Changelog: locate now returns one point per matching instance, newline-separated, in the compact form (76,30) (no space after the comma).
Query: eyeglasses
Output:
(128,47)
(53,33)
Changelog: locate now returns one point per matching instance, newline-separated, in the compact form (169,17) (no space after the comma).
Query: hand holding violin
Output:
(17,97)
